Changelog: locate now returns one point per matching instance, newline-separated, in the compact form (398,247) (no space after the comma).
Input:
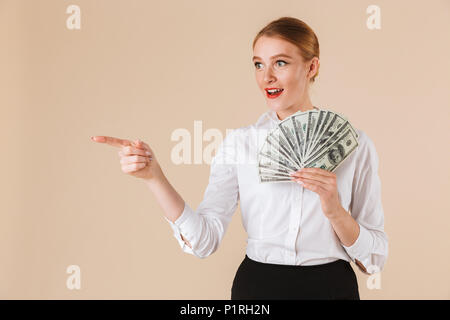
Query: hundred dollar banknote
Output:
(314,138)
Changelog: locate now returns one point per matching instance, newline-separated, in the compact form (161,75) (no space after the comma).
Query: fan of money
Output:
(314,138)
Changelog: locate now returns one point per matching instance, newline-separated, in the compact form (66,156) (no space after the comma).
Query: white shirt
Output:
(284,221)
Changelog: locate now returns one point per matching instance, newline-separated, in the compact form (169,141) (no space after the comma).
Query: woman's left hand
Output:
(323,183)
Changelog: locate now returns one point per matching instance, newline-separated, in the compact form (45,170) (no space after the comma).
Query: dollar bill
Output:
(311,122)
(335,126)
(336,153)
(314,138)
(322,122)
(299,123)
(278,140)
(326,121)
(274,179)
(270,164)
(287,128)
(271,157)
(265,170)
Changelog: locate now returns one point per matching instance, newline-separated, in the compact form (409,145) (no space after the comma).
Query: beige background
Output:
(142,69)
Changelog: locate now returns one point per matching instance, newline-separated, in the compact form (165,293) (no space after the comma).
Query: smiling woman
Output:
(301,236)
(297,33)
(286,59)
(307,237)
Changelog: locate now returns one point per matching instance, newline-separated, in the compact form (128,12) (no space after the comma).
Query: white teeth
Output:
(274,90)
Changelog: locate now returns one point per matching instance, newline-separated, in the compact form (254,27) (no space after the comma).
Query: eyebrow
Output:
(275,56)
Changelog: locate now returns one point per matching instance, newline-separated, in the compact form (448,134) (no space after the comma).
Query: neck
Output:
(283,114)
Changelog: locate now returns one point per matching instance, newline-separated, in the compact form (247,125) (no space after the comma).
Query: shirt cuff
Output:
(187,224)
(361,248)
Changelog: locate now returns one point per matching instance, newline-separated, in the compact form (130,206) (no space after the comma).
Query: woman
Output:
(301,237)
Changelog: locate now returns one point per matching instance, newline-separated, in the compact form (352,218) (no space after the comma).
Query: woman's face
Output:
(287,72)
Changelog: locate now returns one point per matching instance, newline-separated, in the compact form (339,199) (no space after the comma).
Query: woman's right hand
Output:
(136,157)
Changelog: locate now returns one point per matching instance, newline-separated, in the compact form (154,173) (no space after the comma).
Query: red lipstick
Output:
(275,94)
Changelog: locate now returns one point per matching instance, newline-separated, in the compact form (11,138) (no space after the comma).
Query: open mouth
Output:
(273,93)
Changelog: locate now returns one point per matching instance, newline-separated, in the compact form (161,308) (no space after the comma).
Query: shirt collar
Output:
(272,115)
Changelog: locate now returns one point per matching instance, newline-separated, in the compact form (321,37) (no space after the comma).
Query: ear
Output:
(313,67)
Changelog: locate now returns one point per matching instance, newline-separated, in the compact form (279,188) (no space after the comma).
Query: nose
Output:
(269,76)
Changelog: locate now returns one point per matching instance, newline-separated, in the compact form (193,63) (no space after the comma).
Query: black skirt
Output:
(263,281)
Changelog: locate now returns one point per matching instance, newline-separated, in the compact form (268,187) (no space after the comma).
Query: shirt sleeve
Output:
(204,228)
(371,246)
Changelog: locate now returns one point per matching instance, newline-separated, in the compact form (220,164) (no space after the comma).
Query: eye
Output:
(256,64)
(282,61)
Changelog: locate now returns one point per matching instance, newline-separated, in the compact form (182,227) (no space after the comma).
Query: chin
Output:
(276,107)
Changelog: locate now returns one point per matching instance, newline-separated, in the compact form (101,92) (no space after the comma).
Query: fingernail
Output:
(147,153)
(299,182)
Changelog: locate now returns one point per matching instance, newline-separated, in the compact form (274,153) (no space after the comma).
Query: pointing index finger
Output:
(115,142)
